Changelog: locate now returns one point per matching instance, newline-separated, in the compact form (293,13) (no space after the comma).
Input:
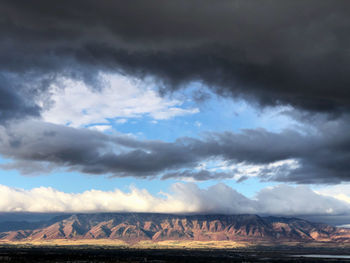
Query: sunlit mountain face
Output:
(175,107)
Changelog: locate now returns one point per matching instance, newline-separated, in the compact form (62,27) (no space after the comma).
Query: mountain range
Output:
(134,227)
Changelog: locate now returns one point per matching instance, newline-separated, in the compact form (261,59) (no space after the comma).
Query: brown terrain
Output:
(135,227)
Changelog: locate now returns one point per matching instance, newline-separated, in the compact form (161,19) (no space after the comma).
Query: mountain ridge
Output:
(135,227)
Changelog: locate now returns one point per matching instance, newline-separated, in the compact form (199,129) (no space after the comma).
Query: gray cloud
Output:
(201,175)
(12,103)
(272,53)
(320,157)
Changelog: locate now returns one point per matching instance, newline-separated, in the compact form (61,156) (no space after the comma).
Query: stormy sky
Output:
(240,93)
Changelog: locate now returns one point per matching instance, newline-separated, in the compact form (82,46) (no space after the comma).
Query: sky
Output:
(185,106)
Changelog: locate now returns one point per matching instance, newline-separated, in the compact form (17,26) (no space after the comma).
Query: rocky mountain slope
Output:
(133,227)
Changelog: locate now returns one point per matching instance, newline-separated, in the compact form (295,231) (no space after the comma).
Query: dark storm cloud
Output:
(272,52)
(12,104)
(321,158)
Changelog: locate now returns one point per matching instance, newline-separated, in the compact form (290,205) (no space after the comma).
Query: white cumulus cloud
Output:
(121,98)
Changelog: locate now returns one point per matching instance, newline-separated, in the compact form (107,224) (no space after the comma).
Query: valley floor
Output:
(99,253)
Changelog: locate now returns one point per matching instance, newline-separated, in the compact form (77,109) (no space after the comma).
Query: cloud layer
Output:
(271,53)
(274,53)
(287,156)
(183,198)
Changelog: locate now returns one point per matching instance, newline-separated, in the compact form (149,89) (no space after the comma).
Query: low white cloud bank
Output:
(340,191)
(183,198)
(120,99)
